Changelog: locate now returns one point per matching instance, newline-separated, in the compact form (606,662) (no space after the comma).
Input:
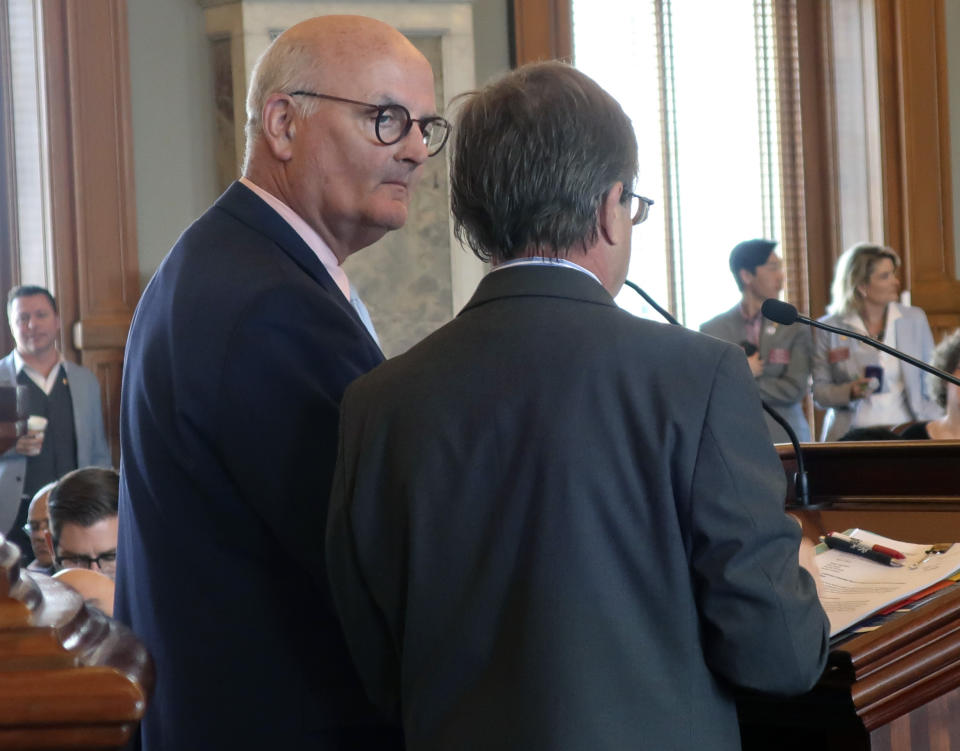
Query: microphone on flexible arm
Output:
(784,313)
(801,488)
(653,304)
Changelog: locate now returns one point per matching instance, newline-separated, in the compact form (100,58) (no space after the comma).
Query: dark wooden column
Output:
(91,186)
(918,202)
(541,31)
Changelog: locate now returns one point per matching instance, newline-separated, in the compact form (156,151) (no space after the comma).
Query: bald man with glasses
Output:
(239,352)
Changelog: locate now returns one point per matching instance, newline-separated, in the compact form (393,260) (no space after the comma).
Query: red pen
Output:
(889,551)
(878,548)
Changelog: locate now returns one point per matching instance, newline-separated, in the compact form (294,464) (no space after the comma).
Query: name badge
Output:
(779,356)
(838,355)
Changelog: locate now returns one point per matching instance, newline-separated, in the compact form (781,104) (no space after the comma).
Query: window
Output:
(698,80)
(24,138)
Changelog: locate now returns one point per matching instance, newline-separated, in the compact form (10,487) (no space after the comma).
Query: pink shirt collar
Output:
(307,234)
(751,325)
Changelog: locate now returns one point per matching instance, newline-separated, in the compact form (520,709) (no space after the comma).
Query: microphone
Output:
(653,304)
(784,313)
(801,489)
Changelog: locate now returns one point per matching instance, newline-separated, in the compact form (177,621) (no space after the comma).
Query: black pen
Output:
(856,547)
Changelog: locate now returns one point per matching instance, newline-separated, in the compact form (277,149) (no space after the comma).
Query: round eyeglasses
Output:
(393,122)
(36,525)
(639,208)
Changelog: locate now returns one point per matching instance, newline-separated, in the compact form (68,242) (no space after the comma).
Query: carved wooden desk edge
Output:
(906,674)
(902,665)
(70,677)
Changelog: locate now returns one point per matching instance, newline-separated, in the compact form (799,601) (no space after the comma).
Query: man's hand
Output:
(30,444)
(808,557)
(756,364)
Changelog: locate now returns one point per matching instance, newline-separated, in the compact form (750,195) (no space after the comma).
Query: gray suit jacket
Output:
(92,449)
(831,380)
(786,373)
(549,531)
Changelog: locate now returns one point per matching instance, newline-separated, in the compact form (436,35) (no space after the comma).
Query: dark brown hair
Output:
(534,154)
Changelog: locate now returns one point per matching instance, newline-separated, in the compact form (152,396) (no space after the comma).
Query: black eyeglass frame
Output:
(109,557)
(423,123)
(643,209)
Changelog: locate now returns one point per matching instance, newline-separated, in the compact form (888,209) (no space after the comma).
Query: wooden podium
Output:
(70,677)
(896,688)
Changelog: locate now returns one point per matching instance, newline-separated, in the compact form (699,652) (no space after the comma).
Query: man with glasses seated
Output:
(83,520)
(36,528)
(239,352)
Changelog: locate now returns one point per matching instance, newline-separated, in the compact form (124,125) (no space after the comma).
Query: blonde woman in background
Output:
(858,385)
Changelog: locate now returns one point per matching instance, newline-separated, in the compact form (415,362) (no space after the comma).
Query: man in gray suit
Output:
(66,395)
(547,530)
(779,356)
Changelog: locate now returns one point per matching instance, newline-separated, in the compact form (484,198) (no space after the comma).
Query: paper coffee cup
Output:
(36,424)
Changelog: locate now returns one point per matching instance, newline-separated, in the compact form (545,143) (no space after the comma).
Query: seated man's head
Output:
(83,520)
(38,524)
(544,163)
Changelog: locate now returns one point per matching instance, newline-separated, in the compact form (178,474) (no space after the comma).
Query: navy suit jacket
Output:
(558,527)
(237,357)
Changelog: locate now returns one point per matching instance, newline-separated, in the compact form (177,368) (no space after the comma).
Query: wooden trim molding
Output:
(92,186)
(918,201)
(818,144)
(542,30)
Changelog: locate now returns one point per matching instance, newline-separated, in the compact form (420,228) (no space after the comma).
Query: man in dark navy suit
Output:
(239,352)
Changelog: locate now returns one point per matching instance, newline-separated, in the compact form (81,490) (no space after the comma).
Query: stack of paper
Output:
(853,587)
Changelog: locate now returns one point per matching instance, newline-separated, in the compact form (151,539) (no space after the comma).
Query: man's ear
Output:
(611,227)
(279,125)
(745,278)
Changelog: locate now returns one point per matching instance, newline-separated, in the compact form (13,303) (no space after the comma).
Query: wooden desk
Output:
(70,677)
(896,688)
(893,689)
(907,490)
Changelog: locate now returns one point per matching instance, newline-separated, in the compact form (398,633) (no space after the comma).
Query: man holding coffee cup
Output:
(65,429)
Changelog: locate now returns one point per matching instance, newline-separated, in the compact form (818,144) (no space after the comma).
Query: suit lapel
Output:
(247,207)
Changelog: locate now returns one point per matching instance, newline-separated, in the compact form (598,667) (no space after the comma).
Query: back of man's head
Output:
(83,497)
(29,290)
(534,154)
(748,255)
